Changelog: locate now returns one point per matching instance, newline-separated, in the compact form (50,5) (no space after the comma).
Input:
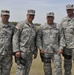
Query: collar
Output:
(5,25)
(29,24)
(50,26)
(69,19)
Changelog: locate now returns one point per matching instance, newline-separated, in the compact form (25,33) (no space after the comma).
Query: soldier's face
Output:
(30,17)
(5,17)
(69,11)
(50,19)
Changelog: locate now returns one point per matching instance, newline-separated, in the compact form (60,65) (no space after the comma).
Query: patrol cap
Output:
(50,14)
(30,12)
(70,6)
(5,12)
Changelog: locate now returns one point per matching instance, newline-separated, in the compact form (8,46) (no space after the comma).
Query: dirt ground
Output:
(37,67)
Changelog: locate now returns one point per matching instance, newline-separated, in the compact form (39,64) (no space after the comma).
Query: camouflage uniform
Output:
(48,40)
(6,35)
(24,41)
(67,25)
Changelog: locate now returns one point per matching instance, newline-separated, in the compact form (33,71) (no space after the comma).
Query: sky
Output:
(18,9)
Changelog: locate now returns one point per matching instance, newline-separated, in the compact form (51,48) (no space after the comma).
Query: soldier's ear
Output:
(1,15)
(46,17)
(27,15)
(9,16)
(73,10)
(53,17)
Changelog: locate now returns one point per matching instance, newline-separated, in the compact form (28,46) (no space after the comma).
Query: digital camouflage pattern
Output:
(6,35)
(50,39)
(67,25)
(24,40)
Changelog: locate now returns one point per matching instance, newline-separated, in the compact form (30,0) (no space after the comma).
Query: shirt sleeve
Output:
(39,39)
(61,36)
(16,37)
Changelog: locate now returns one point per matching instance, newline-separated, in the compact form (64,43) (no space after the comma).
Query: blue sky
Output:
(18,9)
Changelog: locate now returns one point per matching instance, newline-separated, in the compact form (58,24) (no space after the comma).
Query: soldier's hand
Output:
(18,54)
(60,51)
(42,51)
(35,56)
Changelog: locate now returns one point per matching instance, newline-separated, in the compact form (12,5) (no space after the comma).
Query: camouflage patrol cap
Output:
(50,14)
(5,12)
(31,12)
(70,6)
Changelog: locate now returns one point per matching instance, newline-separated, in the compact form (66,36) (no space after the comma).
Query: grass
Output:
(36,68)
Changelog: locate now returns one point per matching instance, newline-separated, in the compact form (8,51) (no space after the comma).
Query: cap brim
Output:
(5,14)
(69,8)
(31,14)
(50,16)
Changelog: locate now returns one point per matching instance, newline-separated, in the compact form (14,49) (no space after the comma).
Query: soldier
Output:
(67,25)
(6,35)
(24,44)
(50,43)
